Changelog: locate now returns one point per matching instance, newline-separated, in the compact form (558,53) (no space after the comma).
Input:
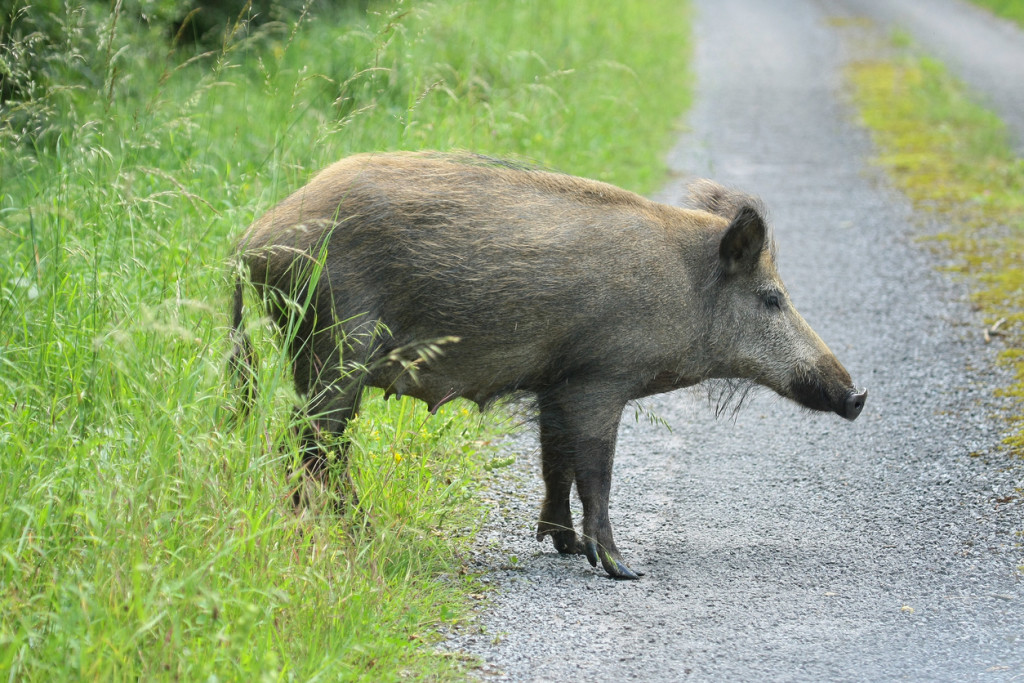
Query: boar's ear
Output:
(743,241)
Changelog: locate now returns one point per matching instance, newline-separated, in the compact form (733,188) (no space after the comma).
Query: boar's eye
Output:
(772,301)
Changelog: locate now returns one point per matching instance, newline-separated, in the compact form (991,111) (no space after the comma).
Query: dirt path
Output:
(782,545)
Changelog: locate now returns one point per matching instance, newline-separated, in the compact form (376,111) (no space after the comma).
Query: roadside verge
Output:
(951,156)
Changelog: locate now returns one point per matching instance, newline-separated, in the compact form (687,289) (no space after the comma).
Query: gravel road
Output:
(984,50)
(779,544)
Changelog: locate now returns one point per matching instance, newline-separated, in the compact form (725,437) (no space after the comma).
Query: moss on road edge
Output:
(952,157)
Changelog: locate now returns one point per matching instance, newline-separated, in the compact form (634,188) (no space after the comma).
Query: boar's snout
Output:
(854,404)
(827,386)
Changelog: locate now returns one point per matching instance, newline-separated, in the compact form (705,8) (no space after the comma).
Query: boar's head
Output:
(756,332)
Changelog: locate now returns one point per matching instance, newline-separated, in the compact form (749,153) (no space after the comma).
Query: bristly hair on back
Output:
(475,159)
(726,202)
(707,195)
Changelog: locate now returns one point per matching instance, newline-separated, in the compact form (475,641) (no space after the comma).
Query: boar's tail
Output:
(242,363)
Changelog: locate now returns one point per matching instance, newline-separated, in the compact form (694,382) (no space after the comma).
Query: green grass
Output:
(1010,9)
(144,534)
(953,157)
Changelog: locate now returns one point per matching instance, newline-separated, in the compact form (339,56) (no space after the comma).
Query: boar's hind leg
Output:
(584,426)
(332,399)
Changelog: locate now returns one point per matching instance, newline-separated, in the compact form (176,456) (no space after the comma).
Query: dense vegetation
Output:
(144,532)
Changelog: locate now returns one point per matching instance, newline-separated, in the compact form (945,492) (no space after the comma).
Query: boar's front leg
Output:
(581,424)
(593,483)
(557,469)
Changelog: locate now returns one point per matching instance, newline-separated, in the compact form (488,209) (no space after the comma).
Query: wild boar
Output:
(582,293)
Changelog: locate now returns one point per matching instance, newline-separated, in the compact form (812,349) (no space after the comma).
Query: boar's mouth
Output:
(818,393)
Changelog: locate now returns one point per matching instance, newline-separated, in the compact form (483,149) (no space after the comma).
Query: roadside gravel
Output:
(779,544)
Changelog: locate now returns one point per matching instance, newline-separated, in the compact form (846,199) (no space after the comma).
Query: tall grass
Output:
(144,533)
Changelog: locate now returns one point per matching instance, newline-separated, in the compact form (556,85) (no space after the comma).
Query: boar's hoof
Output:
(854,404)
(564,538)
(610,560)
(322,474)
